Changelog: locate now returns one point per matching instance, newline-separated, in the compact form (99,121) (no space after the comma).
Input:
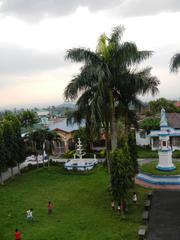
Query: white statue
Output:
(163,122)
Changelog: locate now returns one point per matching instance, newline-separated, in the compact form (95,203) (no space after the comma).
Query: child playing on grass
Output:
(29,214)
(17,234)
(50,207)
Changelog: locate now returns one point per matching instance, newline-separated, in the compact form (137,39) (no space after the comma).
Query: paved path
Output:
(164,221)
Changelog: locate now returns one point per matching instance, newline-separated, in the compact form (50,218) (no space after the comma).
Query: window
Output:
(164,143)
(142,134)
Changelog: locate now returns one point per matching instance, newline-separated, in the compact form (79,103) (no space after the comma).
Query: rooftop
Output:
(173,120)
(62,125)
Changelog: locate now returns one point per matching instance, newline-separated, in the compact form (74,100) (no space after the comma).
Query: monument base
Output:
(163,168)
(165,161)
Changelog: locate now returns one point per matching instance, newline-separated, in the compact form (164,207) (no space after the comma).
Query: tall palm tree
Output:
(175,63)
(103,66)
(133,84)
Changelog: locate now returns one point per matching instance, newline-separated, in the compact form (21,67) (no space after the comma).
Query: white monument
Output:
(165,150)
(80,163)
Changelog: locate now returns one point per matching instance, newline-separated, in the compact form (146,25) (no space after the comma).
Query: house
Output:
(177,104)
(142,138)
(172,129)
(66,132)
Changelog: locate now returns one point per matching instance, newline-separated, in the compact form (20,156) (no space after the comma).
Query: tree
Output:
(19,153)
(11,145)
(50,138)
(2,154)
(175,63)
(150,124)
(27,118)
(156,106)
(133,151)
(121,174)
(104,67)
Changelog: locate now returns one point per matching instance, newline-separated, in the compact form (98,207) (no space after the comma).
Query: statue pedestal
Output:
(165,161)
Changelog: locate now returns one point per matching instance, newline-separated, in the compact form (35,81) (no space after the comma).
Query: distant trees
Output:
(156,106)
(27,118)
(149,124)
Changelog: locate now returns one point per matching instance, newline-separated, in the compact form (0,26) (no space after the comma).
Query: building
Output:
(66,132)
(172,130)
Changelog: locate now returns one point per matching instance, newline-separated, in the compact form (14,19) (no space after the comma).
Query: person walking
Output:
(17,234)
(50,207)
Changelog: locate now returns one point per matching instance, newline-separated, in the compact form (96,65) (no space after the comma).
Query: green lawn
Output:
(148,153)
(151,168)
(81,207)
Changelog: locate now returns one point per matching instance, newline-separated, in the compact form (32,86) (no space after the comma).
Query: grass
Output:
(151,168)
(81,207)
(148,153)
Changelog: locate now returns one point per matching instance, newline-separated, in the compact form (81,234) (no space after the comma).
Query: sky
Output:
(36,34)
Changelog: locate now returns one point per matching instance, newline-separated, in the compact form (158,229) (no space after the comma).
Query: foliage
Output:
(84,136)
(149,124)
(146,152)
(69,154)
(81,207)
(156,106)
(121,173)
(107,80)
(27,118)
(175,63)
(176,154)
(10,142)
(2,152)
(133,150)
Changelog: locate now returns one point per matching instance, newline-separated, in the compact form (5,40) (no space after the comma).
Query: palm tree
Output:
(103,66)
(133,84)
(50,138)
(175,63)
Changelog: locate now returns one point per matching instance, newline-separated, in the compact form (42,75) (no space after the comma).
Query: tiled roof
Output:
(173,120)
(177,104)
(62,125)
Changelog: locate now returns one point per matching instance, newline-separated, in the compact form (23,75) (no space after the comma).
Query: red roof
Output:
(178,104)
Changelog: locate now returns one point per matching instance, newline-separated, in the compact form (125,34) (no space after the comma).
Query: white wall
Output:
(142,141)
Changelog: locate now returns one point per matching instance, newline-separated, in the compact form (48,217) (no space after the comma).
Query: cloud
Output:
(133,8)
(15,60)
(37,9)
(33,10)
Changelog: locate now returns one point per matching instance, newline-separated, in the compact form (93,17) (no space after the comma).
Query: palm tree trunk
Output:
(19,170)
(126,123)
(1,177)
(113,122)
(12,172)
(37,161)
(113,131)
(48,161)
(122,207)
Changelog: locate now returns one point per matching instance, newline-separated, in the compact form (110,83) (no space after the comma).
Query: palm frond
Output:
(175,63)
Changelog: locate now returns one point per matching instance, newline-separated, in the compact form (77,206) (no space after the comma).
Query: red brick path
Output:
(156,186)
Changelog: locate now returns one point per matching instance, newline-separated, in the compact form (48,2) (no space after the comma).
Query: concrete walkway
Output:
(164,216)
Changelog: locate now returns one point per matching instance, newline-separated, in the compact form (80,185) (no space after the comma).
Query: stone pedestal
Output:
(165,160)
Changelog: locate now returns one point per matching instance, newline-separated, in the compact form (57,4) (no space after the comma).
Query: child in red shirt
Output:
(17,234)
(50,207)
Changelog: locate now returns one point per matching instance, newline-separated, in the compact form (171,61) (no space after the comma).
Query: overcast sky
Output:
(35,35)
